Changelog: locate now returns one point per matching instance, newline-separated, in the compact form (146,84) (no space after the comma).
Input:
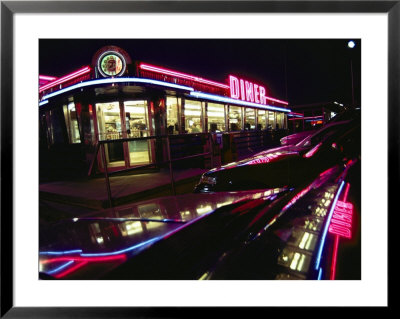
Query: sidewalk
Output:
(92,193)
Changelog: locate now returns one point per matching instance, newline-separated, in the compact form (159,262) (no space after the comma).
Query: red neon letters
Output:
(247,91)
(342,220)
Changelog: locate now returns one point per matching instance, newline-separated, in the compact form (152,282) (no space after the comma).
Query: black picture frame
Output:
(9,8)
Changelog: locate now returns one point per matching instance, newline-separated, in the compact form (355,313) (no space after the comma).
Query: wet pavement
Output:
(91,193)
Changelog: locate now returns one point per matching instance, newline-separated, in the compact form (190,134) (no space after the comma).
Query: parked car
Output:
(286,166)
(87,247)
(270,235)
(295,138)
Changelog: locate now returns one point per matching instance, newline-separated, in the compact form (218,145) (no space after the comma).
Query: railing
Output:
(100,146)
(241,143)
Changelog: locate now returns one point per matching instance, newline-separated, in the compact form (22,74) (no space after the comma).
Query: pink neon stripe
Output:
(152,68)
(276,100)
(346,192)
(156,69)
(47,78)
(334,258)
(307,118)
(65,78)
(70,270)
(312,151)
(83,259)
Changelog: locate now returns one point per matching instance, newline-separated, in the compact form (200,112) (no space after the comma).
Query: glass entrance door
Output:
(137,125)
(109,128)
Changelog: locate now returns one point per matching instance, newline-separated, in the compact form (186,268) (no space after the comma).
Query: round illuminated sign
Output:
(111,64)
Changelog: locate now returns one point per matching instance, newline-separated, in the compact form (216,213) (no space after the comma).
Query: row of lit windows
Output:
(182,116)
(189,116)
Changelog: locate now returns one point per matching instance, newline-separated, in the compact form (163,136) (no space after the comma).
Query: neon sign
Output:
(342,220)
(111,63)
(247,91)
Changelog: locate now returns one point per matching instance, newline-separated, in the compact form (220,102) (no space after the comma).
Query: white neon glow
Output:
(43,102)
(117,80)
(237,102)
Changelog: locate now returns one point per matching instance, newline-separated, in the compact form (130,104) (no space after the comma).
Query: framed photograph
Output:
(124,77)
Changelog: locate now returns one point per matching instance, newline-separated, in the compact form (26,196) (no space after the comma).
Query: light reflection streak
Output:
(325,231)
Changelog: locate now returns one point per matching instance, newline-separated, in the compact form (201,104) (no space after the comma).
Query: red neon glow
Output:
(334,258)
(234,87)
(329,170)
(66,78)
(341,221)
(312,151)
(47,78)
(250,92)
(157,69)
(263,97)
(296,197)
(346,192)
(70,270)
(316,118)
(84,259)
(256,94)
(339,227)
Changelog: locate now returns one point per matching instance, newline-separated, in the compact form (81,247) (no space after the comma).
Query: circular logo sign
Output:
(111,64)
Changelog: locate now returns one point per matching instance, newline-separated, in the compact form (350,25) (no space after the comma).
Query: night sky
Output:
(298,71)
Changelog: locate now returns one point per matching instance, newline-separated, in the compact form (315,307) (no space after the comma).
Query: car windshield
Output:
(320,135)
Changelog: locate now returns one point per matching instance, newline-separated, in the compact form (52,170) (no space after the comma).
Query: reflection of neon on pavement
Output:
(81,262)
(312,151)
(123,250)
(88,259)
(320,274)
(325,231)
(60,268)
(85,258)
(60,252)
(337,237)
(70,270)
(334,258)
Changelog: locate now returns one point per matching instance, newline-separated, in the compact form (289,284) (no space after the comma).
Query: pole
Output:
(103,154)
(352,81)
(211,150)
(171,173)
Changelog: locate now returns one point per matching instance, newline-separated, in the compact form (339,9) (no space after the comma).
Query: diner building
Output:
(124,103)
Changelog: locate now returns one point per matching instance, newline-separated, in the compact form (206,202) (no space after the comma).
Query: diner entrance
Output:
(127,119)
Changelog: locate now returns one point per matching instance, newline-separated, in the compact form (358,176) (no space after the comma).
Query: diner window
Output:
(261,119)
(71,121)
(250,119)
(109,121)
(193,116)
(136,118)
(235,118)
(271,120)
(173,104)
(109,128)
(280,121)
(216,117)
